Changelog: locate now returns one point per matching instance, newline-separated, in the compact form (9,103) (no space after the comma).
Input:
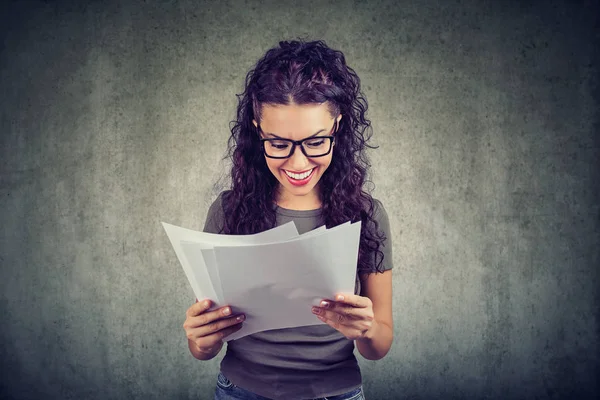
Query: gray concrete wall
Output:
(114,117)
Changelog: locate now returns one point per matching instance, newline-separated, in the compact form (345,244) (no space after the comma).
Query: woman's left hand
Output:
(350,314)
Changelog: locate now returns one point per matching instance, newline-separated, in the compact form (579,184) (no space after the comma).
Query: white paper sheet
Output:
(196,254)
(193,264)
(273,277)
(275,285)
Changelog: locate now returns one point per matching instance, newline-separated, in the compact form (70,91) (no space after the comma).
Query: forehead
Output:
(295,121)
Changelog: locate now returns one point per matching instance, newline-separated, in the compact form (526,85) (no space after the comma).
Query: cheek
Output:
(273,165)
(324,164)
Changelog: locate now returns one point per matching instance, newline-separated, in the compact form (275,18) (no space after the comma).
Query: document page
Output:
(273,277)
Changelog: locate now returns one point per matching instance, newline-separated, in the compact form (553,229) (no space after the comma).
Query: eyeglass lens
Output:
(313,147)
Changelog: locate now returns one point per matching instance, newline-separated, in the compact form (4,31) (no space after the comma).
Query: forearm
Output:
(200,355)
(377,343)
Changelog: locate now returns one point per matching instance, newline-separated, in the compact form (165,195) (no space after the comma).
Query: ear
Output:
(255,123)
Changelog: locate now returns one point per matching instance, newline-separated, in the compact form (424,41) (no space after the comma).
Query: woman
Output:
(298,154)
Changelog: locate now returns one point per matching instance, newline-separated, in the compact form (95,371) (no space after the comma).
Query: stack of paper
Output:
(273,277)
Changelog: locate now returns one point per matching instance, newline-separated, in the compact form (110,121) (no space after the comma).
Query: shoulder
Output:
(379,212)
(215,215)
(377,205)
(218,202)
(382,226)
(381,220)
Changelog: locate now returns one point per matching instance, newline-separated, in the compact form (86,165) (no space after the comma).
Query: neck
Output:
(309,202)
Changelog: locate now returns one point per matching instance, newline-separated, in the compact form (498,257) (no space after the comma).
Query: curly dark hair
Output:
(301,72)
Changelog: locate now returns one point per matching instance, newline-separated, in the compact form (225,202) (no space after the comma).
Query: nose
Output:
(298,160)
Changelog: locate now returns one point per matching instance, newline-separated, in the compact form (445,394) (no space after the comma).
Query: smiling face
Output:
(297,122)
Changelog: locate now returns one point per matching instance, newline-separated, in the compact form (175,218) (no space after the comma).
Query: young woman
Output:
(298,154)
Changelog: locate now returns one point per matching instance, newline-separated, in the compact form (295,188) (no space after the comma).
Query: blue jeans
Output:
(226,390)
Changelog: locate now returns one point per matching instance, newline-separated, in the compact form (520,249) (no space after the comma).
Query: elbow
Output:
(373,356)
(377,346)
(203,356)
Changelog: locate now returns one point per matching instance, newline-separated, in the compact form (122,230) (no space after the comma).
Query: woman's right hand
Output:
(207,329)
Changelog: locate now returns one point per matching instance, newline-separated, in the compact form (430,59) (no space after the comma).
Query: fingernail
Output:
(324,304)
(340,298)
(241,318)
(315,310)
(226,311)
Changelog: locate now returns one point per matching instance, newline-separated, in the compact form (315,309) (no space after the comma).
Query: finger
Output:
(343,308)
(199,307)
(349,312)
(348,331)
(353,300)
(219,327)
(332,316)
(207,317)
(226,332)
(331,322)
(214,338)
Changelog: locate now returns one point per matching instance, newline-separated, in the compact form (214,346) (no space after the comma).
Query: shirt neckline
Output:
(297,213)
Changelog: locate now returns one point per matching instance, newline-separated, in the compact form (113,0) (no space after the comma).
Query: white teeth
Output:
(298,177)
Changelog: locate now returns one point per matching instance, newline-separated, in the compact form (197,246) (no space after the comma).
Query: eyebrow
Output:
(279,137)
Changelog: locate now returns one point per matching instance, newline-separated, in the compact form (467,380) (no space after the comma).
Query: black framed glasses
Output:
(317,146)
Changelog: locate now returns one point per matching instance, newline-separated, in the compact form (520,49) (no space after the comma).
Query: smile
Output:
(300,179)
(299,176)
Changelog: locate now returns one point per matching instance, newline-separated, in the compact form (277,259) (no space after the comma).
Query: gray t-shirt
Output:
(303,362)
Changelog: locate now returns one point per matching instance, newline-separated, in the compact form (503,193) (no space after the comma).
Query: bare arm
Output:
(378,340)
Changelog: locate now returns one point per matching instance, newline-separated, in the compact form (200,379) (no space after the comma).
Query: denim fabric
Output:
(226,390)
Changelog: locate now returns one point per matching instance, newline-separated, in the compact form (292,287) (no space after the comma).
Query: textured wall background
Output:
(114,117)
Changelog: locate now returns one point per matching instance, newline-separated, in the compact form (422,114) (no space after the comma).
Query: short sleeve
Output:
(380,215)
(215,216)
